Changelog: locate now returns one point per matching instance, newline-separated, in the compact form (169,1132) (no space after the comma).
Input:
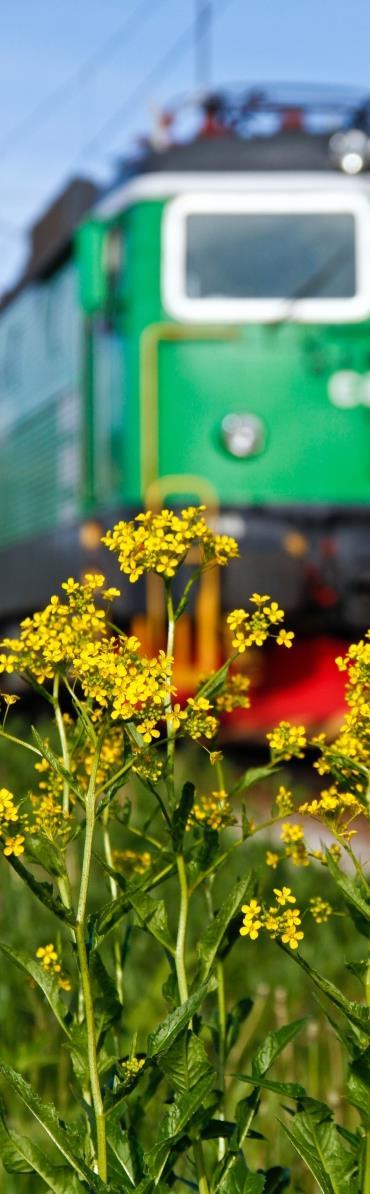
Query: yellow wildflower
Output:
(14,845)
(287,741)
(320,909)
(272,859)
(161,542)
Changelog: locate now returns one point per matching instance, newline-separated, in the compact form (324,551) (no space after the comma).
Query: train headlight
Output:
(243,435)
(350,150)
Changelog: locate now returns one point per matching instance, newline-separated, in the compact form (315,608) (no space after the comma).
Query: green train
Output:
(203,334)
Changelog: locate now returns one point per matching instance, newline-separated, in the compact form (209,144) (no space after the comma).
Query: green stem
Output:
(92,1053)
(366,1183)
(183,993)
(84,972)
(169,719)
(181,930)
(222,1041)
(114,892)
(63,741)
(27,745)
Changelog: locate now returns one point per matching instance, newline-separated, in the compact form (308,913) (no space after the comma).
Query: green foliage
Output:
(131,1067)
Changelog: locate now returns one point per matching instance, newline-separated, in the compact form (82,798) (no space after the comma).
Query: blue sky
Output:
(44,46)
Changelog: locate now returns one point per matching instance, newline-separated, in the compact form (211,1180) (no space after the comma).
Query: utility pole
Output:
(202,44)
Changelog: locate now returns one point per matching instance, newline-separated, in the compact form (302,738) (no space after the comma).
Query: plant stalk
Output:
(63,741)
(85,975)
(114,893)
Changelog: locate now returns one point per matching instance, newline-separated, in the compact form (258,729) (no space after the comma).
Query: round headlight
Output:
(350,150)
(243,435)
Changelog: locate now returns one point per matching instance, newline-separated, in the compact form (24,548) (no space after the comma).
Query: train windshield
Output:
(270,255)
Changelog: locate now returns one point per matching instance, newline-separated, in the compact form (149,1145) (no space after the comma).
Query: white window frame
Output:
(239,310)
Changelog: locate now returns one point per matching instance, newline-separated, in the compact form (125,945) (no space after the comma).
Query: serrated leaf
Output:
(164,1036)
(358,1086)
(44,979)
(177,1118)
(107,1006)
(21,1155)
(63,1135)
(43,891)
(46,853)
(152,915)
(239,1180)
(102,922)
(125,1148)
(354,891)
(212,939)
(185,1062)
(233,1177)
(56,764)
(181,816)
(252,776)
(273,1045)
(355,1013)
(318,1142)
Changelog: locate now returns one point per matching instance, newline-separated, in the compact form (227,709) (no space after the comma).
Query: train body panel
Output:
(208,339)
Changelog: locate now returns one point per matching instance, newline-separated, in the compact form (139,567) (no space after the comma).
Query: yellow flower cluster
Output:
(114,674)
(214,810)
(295,848)
(287,741)
(48,956)
(9,815)
(279,919)
(284,801)
(252,629)
(200,721)
(160,542)
(320,910)
(131,1068)
(132,861)
(334,808)
(52,638)
(147,765)
(349,753)
(234,693)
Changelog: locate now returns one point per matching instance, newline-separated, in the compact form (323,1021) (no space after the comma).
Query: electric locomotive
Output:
(203,335)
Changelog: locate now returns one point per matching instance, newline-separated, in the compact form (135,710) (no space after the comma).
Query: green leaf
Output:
(63,1135)
(152,915)
(316,1139)
(101,923)
(239,1180)
(48,982)
(177,1118)
(252,776)
(55,764)
(125,1148)
(291,1090)
(235,1018)
(107,1006)
(356,1013)
(185,1062)
(181,816)
(212,939)
(46,853)
(274,1044)
(358,1086)
(43,891)
(163,1037)
(21,1155)
(355,892)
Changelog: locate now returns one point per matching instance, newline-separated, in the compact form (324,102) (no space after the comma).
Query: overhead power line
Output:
(44,109)
(170,59)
